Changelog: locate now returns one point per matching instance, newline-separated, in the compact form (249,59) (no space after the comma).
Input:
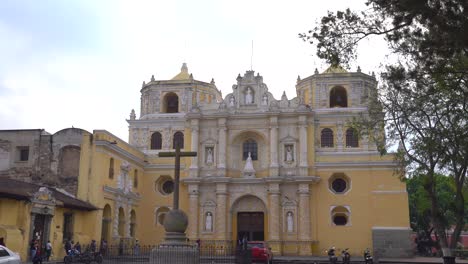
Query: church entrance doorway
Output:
(251,226)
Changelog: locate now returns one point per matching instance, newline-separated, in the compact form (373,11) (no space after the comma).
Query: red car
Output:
(261,252)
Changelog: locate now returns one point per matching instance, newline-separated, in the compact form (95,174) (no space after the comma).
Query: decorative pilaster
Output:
(274,212)
(303,163)
(221,200)
(222,136)
(339,136)
(304,216)
(274,171)
(193,212)
(195,139)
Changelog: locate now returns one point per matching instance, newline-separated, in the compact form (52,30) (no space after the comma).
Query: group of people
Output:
(36,251)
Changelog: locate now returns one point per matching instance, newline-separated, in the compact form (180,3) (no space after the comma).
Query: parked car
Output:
(261,252)
(8,256)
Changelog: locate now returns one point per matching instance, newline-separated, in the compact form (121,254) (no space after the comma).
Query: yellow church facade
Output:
(288,171)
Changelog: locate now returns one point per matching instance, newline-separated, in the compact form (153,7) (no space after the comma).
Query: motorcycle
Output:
(346,256)
(367,257)
(331,255)
(76,256)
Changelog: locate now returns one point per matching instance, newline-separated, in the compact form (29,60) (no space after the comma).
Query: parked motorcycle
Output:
(76,256)
(332,256)
(346,256)
(368,257)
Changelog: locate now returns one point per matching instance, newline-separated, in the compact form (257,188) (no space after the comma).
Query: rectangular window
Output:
(23,153)
(67,226)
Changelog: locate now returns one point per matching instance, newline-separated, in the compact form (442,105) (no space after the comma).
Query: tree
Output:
(420,207)
(423,98)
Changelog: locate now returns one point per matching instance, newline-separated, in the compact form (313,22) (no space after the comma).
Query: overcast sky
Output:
(81,63)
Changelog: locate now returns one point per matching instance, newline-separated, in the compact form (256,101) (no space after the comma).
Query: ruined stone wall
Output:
(53,160)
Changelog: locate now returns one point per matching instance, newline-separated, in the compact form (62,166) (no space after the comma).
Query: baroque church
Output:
(288,171)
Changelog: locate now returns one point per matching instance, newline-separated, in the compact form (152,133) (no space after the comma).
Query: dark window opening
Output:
(172,103)
(135,179)
(23,153)
(338,97)
(178,140)
(111,168)
(156,140)
(339,185)
(351,138)
(249,146)
(67,226)
(168,187)
(340,220)
(327,138)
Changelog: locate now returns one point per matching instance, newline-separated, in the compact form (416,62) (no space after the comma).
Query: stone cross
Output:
(177,154)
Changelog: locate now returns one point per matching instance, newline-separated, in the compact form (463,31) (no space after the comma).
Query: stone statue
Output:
(209,222)
(231,101)
(289,155)
(248,96)
(209,156)
(132,115)
(289,221)
(265,99)
(249,170)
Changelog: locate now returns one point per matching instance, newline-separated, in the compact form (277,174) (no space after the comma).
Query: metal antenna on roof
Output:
(251,58)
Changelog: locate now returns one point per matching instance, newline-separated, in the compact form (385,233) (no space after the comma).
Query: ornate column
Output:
(274,211)
(303,163)
(274,171)
(221,215)
(194,125)
(222,138)
(193,211)
(304,217)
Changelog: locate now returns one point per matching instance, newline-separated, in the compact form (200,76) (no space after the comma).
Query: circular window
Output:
(164,185)
(167,187)
(339,183)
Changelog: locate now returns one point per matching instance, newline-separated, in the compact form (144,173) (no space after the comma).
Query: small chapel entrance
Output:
(251,225)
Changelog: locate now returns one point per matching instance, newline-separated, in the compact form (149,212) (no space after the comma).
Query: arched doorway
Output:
(171,103)
(250,213)
(106,223)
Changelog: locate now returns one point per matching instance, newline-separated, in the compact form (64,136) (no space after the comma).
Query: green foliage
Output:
(423,98)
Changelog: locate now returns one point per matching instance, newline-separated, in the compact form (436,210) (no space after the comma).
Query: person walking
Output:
(48,250)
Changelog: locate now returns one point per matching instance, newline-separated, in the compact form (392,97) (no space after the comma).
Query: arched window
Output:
(338,97)
(340,216)
(178,140)
(132,223)
(121,225)
(160,214)
(171,101)
(326,138)
(351,138)
(156,140)
(135,179)
(111,168)
(249,146)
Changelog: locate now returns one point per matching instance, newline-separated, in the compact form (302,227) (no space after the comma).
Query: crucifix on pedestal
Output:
(176,221)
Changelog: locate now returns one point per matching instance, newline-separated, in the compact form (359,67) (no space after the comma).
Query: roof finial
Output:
(298,78)
(143,85)
(358,68)
(212,81)
(191,76)
(184,68)
(316,71)
(152,78)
